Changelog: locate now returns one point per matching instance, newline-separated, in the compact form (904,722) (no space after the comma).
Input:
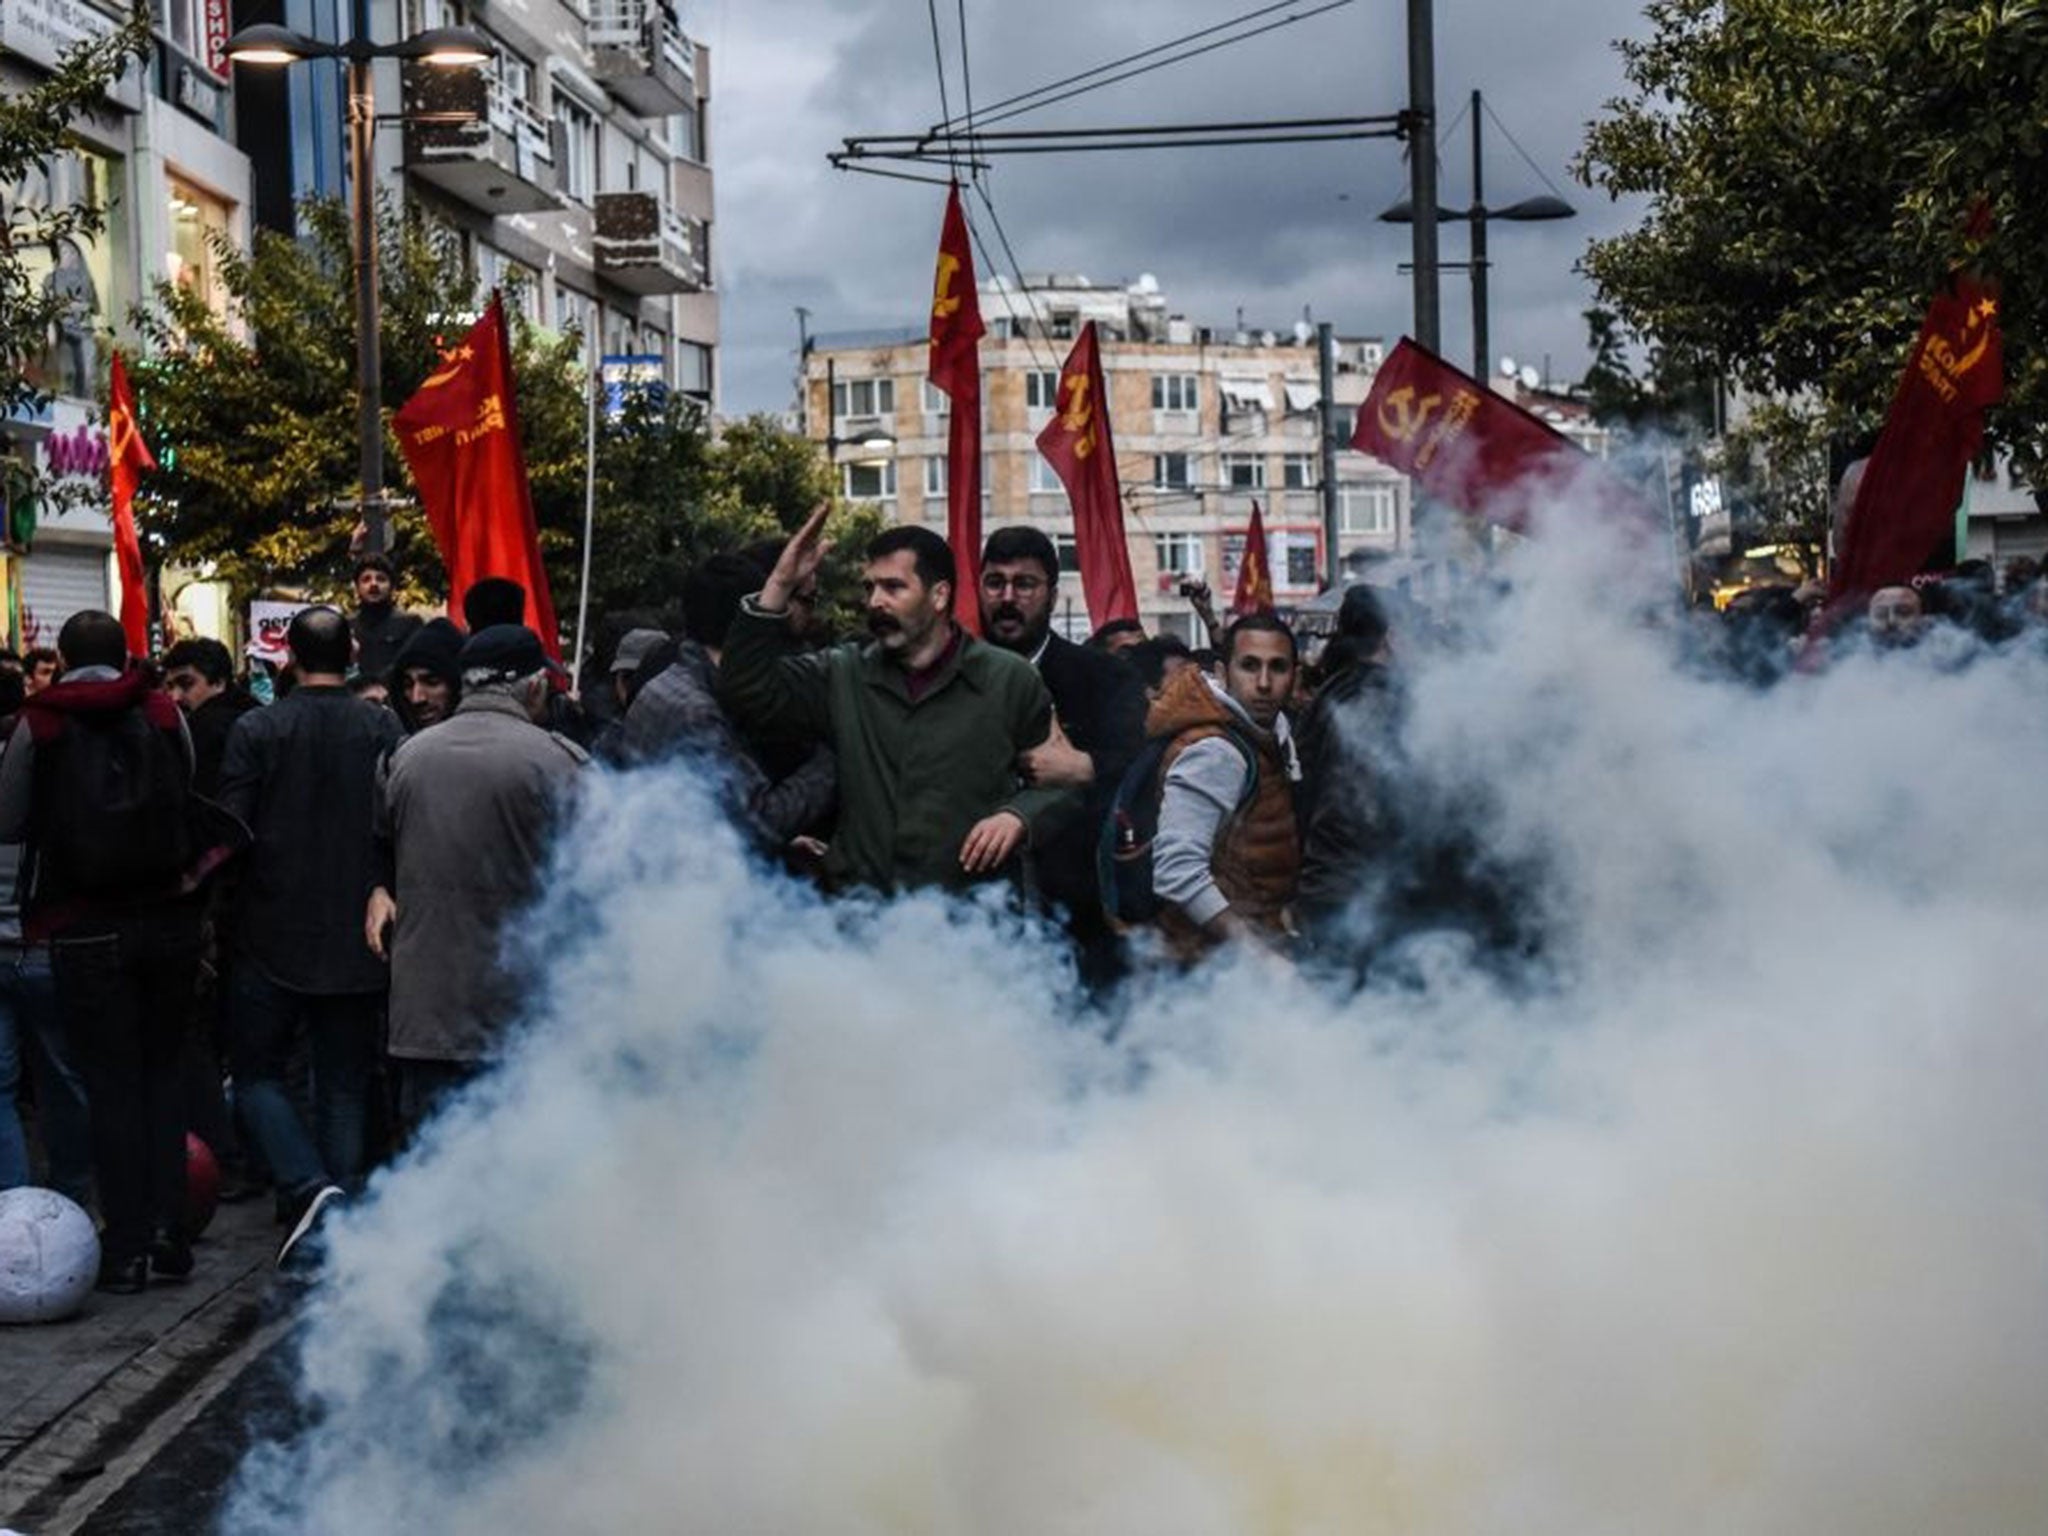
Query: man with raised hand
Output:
(927,723)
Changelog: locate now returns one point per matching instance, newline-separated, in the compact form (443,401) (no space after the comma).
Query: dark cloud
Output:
(1269,230)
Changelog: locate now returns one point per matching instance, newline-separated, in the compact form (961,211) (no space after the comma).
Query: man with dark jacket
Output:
(425,682)
(466,813)
(200,675)
(1098,726)
(679,712)
(1345,742)
(380,626)
(925,721)
(96,780)
(302,775)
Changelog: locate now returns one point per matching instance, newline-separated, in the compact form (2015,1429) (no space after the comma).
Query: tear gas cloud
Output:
(1729,1213)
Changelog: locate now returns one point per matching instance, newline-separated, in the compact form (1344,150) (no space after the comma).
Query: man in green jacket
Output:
(926,721)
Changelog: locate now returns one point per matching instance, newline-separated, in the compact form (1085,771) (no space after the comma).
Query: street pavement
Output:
(87,1405)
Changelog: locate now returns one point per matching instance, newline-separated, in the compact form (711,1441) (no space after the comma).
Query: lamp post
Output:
(1528,211)
(448,47)
(876,444)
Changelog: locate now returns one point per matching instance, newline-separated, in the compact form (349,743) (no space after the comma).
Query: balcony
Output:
(643,58)
(469,136)
(645,247)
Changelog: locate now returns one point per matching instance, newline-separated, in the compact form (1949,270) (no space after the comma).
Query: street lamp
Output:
(443,47)
(1529,210)
(875,444)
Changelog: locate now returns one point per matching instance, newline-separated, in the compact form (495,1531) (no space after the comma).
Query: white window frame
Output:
(582,159)
(934,476)
(1250,466)
(1298,472)
(862,399)
(1045,480)
(1178,553)
(885,472)
(1162,480)
(1366,509)
(1068,553)
(1177,398)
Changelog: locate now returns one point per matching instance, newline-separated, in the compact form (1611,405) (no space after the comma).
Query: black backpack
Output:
(115,808)
(1130,825)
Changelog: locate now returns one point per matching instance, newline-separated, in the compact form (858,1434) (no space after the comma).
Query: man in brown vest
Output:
(1227,854)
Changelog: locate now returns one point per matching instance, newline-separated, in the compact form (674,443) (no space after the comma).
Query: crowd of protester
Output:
(268,910)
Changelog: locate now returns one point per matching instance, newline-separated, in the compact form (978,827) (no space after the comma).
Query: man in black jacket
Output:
(1098,727)
(302,774)
(200,675)
(381,627)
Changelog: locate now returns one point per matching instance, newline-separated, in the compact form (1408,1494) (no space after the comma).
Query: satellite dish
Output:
(1267,338)
(1530,377)
(1303,333)
(1507,368)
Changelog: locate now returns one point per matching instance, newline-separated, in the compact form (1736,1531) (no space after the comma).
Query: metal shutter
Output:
(58,580)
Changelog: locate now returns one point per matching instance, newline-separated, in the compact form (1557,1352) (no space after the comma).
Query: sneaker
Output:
(308,1222)
(127,1277)
(170,1256)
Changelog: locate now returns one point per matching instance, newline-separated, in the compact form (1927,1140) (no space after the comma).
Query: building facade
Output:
(574,169)
(157,152)
(1207,424)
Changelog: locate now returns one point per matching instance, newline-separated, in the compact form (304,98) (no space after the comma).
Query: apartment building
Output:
(1207,424)
(157,152)
(575,168)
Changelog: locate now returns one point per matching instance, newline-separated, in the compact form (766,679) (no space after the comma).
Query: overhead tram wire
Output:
(950,126)
(966,78)
(1527,159)
(939,63)
(1048,141)
(1179,58)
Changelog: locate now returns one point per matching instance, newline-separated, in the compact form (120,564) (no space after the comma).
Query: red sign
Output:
(219,22)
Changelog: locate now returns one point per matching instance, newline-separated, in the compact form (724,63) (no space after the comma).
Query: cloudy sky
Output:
(1269,229)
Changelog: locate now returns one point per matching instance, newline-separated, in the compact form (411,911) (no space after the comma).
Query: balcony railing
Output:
(470,136)
(643,55)
(645,246)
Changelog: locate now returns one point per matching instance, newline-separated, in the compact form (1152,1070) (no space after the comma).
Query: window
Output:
(1244,471)
(936,401)
(686,133)
(1179,553)
(1041,390)
(184,23)
(694,368)
(935,475)
(1070,554)
(579,138)
(1171,472)
(198,223)
(1298,472)
(864,397)
(869,482)
(1365,509)
(1044,480)
(1178,392)
(576,312)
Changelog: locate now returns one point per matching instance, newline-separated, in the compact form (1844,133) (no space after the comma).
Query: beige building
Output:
(1206,425)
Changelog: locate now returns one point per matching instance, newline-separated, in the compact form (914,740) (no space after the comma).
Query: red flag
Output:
(1078,445)
(1254,573)
(460,433)
(956,368)
(1472,449)
(128,459)
(1906,505)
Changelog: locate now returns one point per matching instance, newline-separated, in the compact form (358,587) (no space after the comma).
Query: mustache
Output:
(882,624)
(1007,612)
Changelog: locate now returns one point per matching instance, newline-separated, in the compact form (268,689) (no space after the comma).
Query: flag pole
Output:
(596,383)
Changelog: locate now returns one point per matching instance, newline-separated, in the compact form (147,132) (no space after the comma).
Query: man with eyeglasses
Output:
(1098,726)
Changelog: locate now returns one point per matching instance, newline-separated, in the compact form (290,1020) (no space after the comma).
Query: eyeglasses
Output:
(1023,586)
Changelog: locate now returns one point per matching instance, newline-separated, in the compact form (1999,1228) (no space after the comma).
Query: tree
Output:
(252,417)
(33,125)
(1810,166)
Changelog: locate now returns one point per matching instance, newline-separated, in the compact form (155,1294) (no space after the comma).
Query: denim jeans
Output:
(264,1021)
(124,993)
(31,1039)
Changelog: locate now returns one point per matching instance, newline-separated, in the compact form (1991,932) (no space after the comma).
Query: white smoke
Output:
(1730,1215)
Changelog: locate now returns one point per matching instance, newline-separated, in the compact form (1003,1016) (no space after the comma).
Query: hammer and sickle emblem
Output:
(1079,416)
(120,433)
(945,303)
(1402,416)
(1985,311)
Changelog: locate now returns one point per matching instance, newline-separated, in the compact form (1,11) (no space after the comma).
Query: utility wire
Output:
(966,75)
(1526,157)
(939,63)
(948,125)
(1178,58)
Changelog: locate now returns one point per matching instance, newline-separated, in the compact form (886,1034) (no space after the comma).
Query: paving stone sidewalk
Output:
(75,1394)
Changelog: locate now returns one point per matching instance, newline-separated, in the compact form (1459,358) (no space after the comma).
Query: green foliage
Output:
(33,126)
(252,418)
(1810,165)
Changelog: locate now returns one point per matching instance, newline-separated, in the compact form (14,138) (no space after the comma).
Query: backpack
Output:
(1130,826)
(115,809)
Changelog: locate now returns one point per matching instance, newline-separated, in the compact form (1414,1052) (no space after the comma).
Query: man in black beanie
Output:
(492,601)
